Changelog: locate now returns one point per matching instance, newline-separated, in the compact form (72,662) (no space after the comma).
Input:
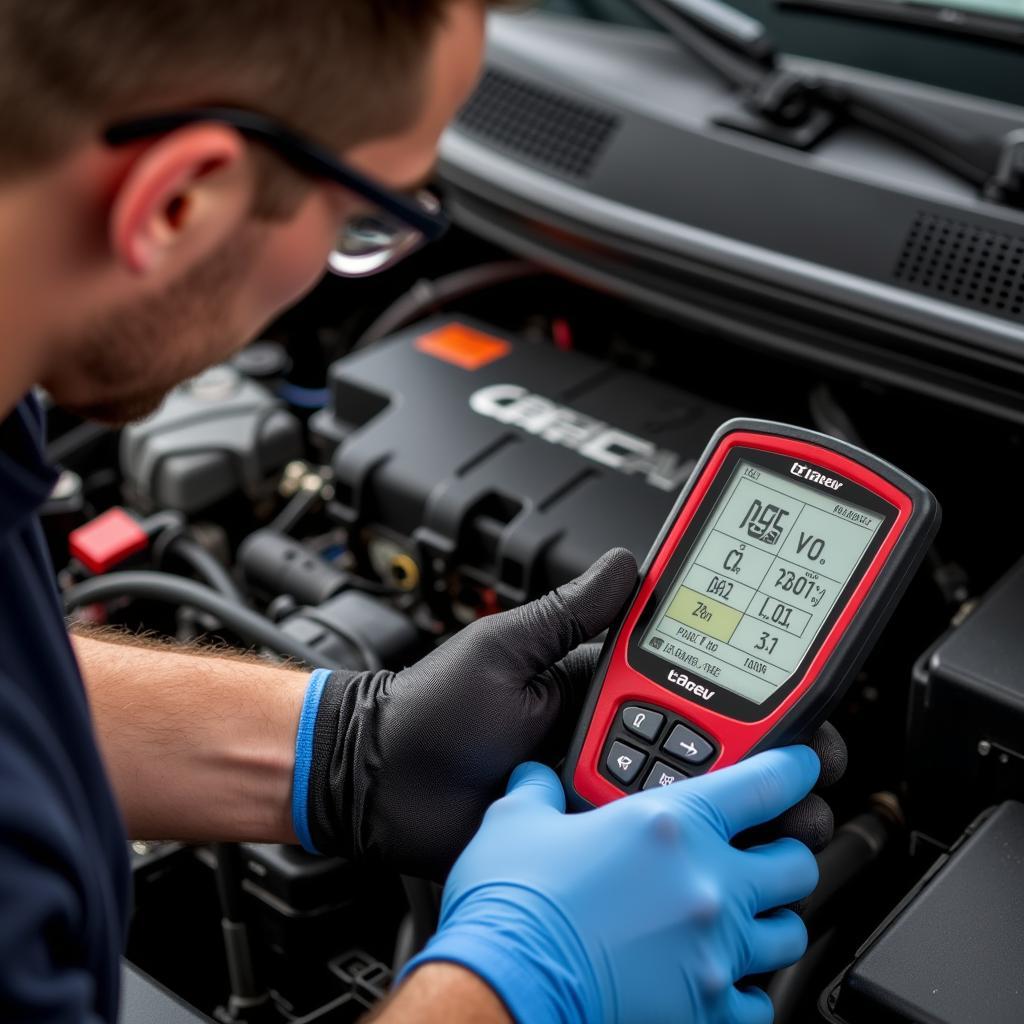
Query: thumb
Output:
(754,791)
(536,784)
(523,642)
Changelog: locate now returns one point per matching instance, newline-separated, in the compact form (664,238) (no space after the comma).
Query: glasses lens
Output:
(372,241)
(368,234)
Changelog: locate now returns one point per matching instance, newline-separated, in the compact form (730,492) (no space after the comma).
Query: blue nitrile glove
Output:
(639,911)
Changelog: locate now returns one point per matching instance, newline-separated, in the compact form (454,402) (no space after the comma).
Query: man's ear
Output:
(180,200)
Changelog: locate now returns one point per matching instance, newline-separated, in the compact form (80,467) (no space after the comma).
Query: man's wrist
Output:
(225,726)
(439,993)
(542,975)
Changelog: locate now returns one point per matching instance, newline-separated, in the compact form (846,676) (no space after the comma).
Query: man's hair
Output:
(341,70)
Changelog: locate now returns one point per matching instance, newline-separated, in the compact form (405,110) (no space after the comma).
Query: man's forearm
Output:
(442,993)
(198,746)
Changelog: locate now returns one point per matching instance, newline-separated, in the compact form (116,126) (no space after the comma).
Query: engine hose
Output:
(202,563)
(249,997)
(154,586)
(429,295)
(78,441)
(247,994)
(857,847)
(420,923)
(292,514)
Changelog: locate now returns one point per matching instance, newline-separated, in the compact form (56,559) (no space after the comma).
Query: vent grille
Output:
(965,264)
(544,126)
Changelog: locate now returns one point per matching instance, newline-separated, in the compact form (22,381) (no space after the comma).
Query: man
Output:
(160,200)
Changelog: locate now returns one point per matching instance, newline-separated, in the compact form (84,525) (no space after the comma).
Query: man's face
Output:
(121,364)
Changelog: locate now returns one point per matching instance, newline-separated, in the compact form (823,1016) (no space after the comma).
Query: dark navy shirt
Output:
(63,858)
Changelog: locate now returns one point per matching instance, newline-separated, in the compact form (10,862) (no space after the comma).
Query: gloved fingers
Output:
(811,821)
(748,1006)
(830,747)
(560,691)
(535,784)
(780,873)
(753,791)
(525,641)
(572,675)
(778,940)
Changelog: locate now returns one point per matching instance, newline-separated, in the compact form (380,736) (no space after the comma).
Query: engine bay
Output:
(397,458)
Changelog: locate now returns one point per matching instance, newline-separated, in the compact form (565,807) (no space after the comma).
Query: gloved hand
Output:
(639,911)
(401,767)
(810,820)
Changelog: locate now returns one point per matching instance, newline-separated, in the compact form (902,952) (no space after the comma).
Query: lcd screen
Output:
(760,582)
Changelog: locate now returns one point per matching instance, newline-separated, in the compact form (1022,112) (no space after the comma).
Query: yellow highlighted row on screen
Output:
(701,612)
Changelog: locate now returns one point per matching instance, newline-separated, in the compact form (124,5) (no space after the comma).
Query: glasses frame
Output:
(302,153)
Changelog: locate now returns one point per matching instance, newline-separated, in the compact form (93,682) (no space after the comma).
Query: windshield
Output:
(1000,8)
(965,62)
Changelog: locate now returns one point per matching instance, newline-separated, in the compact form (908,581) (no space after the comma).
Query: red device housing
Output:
(622,684)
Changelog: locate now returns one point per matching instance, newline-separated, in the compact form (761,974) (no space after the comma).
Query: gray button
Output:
(662,775)
(642,722)
(686,744)
(624,762)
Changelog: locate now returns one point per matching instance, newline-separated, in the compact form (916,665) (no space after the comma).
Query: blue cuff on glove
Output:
(304,758)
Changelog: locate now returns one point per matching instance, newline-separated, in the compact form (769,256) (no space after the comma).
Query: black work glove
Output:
(404,764)
(810,820)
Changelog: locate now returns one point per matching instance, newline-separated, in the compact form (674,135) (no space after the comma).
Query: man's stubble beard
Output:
(125,364)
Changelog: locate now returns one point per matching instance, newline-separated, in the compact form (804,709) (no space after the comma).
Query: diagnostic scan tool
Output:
(777,569)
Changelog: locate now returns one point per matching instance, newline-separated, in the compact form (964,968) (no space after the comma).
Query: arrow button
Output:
(684,743)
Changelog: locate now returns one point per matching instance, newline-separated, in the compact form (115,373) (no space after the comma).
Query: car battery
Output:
(951,952)
(466,457)
(966,720)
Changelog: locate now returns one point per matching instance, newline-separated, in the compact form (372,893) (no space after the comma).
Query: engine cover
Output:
(514,465)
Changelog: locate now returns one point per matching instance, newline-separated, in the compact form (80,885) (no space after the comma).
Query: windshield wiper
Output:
(799,110)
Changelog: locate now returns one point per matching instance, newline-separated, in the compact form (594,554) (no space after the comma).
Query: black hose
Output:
(78,441)
(293,513)
(204,565)
(420,923)
(831,418)
(230,872)
(858,846)
(249,997)
(427,296)
(155,586)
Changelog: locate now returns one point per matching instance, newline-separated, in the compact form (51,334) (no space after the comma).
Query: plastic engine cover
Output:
(515,464)
(214,436)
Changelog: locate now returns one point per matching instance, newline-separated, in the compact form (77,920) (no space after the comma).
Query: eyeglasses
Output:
(370,241)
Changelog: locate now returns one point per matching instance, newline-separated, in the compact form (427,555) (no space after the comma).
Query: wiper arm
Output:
(731,27)
(798,110)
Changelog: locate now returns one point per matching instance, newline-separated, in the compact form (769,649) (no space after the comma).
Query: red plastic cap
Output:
(107,541)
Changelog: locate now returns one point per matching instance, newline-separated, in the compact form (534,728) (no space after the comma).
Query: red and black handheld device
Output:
(780,564)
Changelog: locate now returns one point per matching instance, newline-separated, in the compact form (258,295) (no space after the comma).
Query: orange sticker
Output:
(463,346)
